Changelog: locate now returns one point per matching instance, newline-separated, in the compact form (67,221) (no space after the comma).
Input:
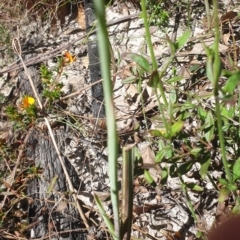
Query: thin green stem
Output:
(104,54)
(157,76)
(154,62)
(208,14)
(216,74)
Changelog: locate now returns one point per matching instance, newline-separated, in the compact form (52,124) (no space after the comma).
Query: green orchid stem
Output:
(148,37)
(216,74)
(104,54)
(208,14)
(155,68)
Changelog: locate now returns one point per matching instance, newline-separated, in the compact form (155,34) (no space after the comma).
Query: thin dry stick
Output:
(88,86)
(17,49)
(80,90)
(54,52)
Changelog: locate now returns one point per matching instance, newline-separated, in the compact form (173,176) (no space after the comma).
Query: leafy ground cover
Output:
(180,101)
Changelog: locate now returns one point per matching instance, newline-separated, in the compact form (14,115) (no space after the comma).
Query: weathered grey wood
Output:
(44,206)
(94,62)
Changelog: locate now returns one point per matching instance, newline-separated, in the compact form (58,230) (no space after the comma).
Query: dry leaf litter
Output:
(158,213)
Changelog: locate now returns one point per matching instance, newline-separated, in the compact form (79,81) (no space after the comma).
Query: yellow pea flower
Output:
(69,58)
(27,102)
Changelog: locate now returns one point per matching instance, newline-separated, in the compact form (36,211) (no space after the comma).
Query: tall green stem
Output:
(216,74)
(104,54)
(154,62)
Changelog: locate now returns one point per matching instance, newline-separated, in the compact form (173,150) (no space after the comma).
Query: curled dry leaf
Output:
(61,206)
(228,16)
(146,208)
(81,17)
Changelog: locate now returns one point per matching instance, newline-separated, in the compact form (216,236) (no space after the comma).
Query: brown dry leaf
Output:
(202,225)
(171,235)
(131,90)
(138,187)
(61,206)
(148,157)
(85,197)
(81,17)
(5,131)
(4,136)
(6,184)
(199,47)
(223,212)
(225,38)
(145,208)
(9,180)
(125,73)
(136,138)
(228,16)
(18,213)
(85,62)
(17,234)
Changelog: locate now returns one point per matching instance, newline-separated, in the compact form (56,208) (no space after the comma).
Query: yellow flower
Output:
(27,102)
(69,57)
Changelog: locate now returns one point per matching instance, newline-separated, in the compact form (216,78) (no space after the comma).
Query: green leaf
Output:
(232,187)
(160,155)
(154,80)
(141,61)
(185,167)
(231,83)
(202,113)
(193,68)
(194,187)
(104,216)
(169,152)
(227,73)
(236,170)
(204,167)
(175,79)
(184,115)
(176,128)
(236,210)
(223,194)
(188,105)
(171,44)
(181,41)
(164,176)
(209,64)
(52,184)
(149,178)
(223,181)
(199,235)
(225,113)
(173,96)
(209,127)
(155,133)
(195,151)
(130,79)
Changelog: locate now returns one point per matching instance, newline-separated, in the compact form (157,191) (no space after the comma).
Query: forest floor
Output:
(181,187)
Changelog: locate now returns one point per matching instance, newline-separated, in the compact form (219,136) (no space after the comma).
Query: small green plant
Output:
(157,15)
(5,43)
(2,98)
(51,85)
(13,113)
(24,113)
(34,172)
